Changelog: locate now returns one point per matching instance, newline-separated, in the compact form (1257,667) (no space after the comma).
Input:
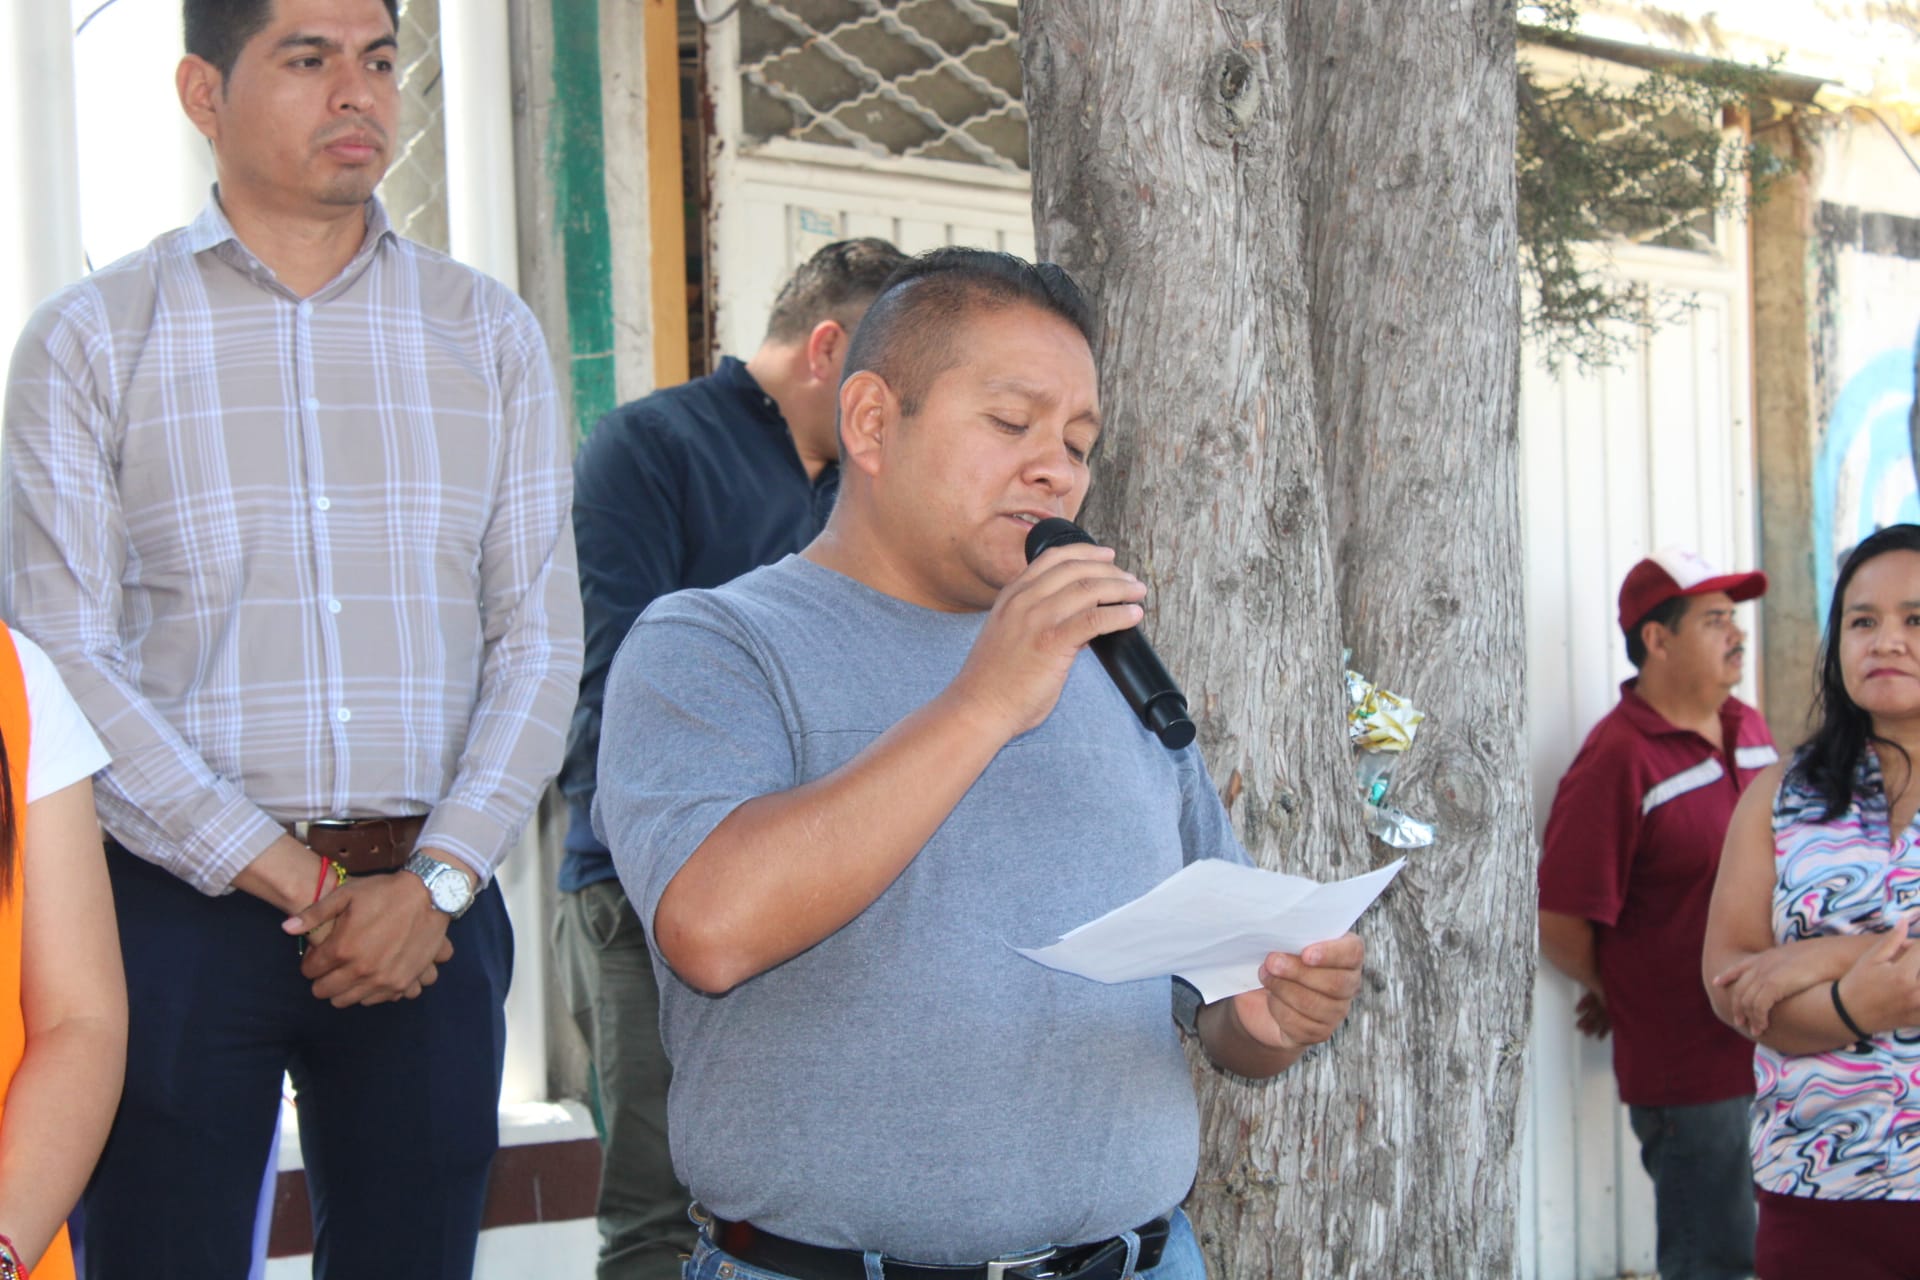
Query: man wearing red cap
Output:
(1631,848)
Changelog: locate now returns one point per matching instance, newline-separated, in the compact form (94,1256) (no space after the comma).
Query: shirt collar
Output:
(738,382)
(733,375)
(211,230)
(1641,714)
(1869,788)
(1732,717)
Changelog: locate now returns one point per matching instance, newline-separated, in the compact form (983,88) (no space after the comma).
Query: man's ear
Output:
(200,86)
(1655,638)
(826,351)
(868,412)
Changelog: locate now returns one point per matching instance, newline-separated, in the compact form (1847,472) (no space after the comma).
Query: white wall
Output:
(1863,165)
(1862,48)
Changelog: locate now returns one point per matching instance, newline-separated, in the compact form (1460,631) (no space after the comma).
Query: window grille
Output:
(415,188)
(938,79)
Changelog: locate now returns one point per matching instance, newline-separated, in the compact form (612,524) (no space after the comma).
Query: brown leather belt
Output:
(362,846)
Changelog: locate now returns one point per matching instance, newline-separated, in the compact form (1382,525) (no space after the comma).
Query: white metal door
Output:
(775,201)
(775,207)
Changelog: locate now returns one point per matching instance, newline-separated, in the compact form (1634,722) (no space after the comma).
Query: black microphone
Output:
(1126,655)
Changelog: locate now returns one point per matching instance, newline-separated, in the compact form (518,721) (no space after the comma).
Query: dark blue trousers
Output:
(398,1103)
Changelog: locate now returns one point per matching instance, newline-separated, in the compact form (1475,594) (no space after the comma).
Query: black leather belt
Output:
(1101,1260)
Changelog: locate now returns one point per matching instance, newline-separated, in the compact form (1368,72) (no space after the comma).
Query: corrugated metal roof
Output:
(1865,53)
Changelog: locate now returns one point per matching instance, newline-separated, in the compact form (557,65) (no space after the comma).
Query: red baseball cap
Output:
(1674,572)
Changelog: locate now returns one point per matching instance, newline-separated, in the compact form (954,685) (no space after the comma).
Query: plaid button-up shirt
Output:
(296,558)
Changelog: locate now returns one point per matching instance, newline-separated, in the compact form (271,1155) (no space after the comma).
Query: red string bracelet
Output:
(319,887)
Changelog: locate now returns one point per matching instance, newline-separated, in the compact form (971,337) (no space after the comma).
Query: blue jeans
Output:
(1179,1260)
(1703,1200)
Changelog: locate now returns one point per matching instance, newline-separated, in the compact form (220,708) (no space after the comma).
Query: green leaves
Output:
(1622,155)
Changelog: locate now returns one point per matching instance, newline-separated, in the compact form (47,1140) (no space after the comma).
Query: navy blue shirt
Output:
(691,486)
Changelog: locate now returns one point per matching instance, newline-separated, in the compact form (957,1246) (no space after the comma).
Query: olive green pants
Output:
(606,974)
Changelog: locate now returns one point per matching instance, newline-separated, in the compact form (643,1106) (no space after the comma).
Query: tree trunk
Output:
(1298,228)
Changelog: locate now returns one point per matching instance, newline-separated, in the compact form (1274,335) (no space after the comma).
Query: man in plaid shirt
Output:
(287,502)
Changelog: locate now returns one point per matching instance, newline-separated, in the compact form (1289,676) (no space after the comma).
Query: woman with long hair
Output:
(63,1001)
(1808,950)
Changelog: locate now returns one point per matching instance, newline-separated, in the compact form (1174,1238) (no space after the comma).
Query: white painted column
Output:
(144,168)
(476,62)
(39,151)
(483,232)
(529,891)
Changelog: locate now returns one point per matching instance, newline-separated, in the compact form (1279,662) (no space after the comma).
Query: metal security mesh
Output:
(415,190)
(932,78)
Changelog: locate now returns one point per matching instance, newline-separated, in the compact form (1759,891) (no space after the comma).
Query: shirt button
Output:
(333,606)
(344,715)
(313,403)
(305,309)
(325,504)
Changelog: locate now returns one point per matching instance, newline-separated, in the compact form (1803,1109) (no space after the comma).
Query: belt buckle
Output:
(303,829)
(999,1268)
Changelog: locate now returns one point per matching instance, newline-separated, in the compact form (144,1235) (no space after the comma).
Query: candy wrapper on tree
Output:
(1381,726)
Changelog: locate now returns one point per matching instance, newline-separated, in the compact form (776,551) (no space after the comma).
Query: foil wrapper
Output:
(1396,830)
(1378,720)
(1381,726)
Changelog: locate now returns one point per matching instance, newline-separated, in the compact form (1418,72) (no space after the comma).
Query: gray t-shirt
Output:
(911,1085)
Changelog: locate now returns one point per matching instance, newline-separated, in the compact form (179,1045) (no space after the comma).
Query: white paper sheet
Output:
(1212,923)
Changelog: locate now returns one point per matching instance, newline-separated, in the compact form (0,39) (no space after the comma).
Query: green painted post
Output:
(576,159)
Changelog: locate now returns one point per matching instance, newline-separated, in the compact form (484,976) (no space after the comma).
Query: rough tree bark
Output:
(1298,226)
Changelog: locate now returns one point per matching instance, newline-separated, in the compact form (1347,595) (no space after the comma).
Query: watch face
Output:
(447,888)
(450,891)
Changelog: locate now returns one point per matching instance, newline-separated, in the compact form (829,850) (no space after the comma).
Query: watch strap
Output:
(432,873)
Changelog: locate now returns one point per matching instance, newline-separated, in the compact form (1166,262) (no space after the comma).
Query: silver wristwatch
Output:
(447,885)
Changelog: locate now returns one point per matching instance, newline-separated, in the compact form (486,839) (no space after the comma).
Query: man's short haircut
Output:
(908,335)
(1668,614)
(217,30)
(833,284)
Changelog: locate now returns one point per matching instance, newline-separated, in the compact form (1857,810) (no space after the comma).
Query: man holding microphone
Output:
(839,786)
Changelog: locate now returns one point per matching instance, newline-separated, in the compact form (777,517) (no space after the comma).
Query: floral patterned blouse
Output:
(1845,1124)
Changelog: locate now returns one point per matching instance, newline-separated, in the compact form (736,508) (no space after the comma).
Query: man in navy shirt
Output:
(691,486)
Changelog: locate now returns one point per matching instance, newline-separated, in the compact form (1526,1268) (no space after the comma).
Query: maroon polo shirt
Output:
(1632,844)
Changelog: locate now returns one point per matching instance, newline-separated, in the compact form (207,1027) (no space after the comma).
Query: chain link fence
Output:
(938,79)
(415,189)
